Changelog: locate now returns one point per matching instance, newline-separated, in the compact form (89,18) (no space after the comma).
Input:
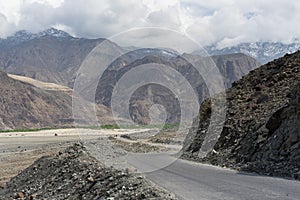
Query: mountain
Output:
(54,56)
(261,131)
(25,106)
(262,51)
(232,67)
(25,36)
(28,103)
(50,56)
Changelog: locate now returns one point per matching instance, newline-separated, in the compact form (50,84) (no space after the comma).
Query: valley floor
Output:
(139,151)
(18,150)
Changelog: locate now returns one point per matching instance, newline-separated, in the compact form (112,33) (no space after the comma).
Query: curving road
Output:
(190,180)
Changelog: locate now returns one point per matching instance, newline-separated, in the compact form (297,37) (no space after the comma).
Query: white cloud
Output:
(226,22)
(53,3)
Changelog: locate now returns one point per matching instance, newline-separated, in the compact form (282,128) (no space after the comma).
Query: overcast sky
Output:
(226,22)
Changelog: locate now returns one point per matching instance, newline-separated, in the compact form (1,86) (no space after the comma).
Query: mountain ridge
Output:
(46,56)
(24,36)
(263,51)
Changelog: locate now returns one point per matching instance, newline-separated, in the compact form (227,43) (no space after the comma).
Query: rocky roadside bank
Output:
(75,174)
(262,128)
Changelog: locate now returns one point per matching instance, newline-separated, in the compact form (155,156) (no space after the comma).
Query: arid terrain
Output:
(121,164)
(80,120)
(18,150)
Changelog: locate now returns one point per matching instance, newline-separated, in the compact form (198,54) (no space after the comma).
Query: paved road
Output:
(189,180)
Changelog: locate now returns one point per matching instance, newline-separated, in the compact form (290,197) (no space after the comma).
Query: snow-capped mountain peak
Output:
(53,32)
(261,51)
(24,36)
(21,36)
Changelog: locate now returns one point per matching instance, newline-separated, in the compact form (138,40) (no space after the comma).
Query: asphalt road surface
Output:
(190,180)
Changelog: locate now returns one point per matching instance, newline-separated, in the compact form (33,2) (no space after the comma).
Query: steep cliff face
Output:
(231,67)
(280,153)
(261,131)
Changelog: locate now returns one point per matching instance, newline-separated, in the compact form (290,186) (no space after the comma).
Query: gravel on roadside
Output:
(75,174)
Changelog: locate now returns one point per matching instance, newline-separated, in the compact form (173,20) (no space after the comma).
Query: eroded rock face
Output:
(261,131)
(279,154)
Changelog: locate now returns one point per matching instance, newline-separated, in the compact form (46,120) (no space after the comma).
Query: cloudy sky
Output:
(226,22)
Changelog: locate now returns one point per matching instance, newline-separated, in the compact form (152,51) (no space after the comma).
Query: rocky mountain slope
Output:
(262,51)
(261,131)
(232,67)
(75,174)
(55,56)
(26,106)
(50,56)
